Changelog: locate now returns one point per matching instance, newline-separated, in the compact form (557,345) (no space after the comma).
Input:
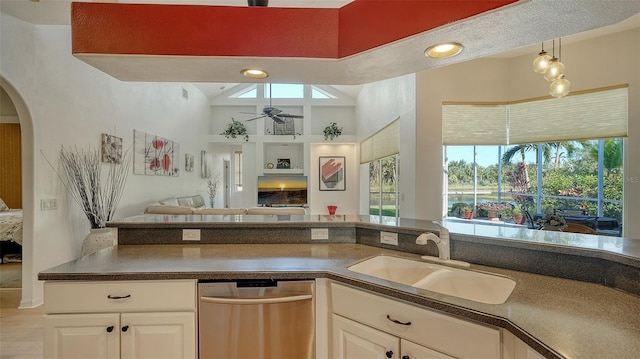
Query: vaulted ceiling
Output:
(335,42)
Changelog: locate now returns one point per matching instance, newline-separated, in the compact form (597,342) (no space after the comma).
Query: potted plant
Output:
(518,217)
(235,129)
(461,209)
(212,184)
(552,222)
(97,192)
(332,131)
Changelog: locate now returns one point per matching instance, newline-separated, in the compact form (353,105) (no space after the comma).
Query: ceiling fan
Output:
(273,113)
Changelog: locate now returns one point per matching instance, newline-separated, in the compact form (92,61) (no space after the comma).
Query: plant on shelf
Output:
(97,192)
(461,209)
(332,131)
(551,222)
(235,129)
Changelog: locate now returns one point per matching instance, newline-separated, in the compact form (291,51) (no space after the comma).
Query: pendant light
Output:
(556,68)
(560,87)
(541,62)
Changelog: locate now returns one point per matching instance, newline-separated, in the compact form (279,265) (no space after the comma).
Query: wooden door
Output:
(10,165)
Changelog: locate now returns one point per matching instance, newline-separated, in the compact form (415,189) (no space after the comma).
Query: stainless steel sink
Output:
(462,283)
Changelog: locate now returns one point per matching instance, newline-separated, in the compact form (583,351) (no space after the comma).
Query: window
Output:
(284,90)
(247,92)
(574,165)
(383,189)
(238,170)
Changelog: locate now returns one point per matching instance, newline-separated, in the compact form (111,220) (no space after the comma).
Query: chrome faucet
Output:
(441,242)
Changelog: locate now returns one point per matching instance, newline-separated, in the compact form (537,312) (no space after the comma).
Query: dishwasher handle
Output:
(270,300)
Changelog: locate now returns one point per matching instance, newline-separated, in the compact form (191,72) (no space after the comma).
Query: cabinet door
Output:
(352,340)
(81,336)
(158,335)
(412,350)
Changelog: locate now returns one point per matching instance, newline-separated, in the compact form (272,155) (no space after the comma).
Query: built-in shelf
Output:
(292,171)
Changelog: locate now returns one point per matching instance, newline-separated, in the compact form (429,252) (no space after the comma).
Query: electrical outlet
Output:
(190,234)
(319,233)
(389,238)
(48,204)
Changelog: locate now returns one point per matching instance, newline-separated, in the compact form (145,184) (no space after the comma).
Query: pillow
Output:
(171,201)
(198,201)
(3,206)
(164,209)
(185,201)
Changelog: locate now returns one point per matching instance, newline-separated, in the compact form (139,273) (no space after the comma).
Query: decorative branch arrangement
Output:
(212,184)
(98,197)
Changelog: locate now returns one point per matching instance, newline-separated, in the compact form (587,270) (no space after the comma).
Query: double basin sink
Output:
(467,284)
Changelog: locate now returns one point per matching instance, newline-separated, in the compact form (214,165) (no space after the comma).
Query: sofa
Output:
(196,204)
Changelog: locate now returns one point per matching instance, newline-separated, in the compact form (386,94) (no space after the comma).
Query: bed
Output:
(10,233)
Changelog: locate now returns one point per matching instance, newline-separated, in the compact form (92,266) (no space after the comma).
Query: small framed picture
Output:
(283,163)
(111,148)
(332,174)
(188,162)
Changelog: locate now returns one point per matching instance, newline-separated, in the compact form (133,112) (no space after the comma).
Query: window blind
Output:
(598,113)
(383,143)
(479,124)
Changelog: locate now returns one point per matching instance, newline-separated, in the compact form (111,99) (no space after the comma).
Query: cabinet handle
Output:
(405,357)
(116,297)
(125,328)
(397,321)
(110,329)
(389,354)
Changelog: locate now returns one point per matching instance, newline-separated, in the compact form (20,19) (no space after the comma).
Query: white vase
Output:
(97,239)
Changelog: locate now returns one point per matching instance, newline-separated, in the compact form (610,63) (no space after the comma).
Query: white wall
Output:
(72,104)
(378,105)
(513,79)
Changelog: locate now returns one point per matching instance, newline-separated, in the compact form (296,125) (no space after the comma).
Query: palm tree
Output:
(613,156)
(569,147)
(523,149)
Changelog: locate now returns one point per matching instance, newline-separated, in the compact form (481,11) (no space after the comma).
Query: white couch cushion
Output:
(185,201)
(170,201)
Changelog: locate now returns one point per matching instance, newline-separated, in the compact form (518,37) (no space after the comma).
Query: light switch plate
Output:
(389,238)
(319,233)
(190,234)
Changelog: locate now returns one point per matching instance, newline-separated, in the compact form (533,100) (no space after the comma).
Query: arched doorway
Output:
(28,200)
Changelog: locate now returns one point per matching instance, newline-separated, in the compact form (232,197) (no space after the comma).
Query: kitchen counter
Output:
(557,317)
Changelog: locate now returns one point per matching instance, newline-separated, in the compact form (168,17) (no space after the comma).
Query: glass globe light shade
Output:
(554,70)
(541,62)
(560,87)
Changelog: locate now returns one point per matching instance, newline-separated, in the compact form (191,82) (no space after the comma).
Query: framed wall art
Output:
(111,148)
(188,162)
(332,173)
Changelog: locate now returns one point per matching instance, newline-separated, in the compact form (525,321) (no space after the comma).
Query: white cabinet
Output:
(425,333)
(146,319)
(354,341)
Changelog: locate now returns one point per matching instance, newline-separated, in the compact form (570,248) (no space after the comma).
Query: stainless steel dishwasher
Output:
(256,319)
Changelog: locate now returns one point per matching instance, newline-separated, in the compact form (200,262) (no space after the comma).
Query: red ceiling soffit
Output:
(194,30)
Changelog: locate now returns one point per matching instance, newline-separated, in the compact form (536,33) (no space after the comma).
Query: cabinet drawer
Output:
(120,296)
(455,337)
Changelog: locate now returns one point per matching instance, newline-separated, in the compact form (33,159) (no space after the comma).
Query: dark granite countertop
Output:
(557,317)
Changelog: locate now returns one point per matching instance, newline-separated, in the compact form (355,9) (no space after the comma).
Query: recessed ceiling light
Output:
(255,73)
(445,49)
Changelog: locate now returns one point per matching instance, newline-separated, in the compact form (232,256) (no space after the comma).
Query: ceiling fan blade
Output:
(250,113)
(275,111)
(255,118)
(277,119)
(290,116)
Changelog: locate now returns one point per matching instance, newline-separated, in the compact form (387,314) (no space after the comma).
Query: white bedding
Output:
(11,225)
